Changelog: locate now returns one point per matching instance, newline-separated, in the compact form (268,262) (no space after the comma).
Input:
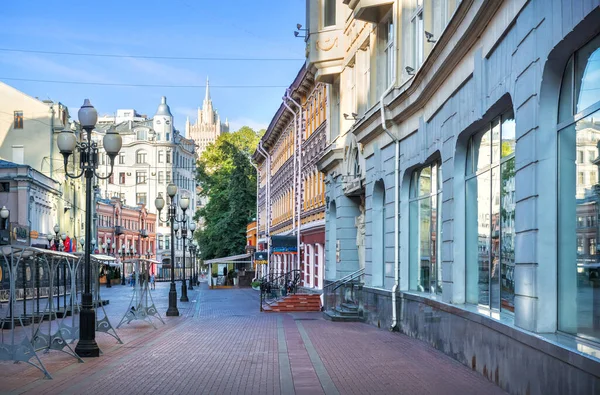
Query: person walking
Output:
(152,281)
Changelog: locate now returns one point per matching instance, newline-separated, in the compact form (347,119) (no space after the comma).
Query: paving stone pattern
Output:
(222,344)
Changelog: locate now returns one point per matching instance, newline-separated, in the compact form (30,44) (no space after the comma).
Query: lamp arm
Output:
(160,220)
(74,176)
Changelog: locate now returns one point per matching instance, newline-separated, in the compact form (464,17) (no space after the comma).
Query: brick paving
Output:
(222,344)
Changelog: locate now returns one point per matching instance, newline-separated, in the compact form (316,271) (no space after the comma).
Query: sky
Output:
(173,28)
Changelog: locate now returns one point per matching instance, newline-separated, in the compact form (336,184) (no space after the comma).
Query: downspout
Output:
(299,174)
(264,153)
(52,141)
(394,326)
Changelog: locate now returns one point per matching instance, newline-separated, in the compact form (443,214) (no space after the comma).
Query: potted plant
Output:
(214,279)
(234,277)
(255,285)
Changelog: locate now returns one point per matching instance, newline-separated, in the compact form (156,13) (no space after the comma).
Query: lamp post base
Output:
(87,346)
(184,297)
(172,310)
(191,287)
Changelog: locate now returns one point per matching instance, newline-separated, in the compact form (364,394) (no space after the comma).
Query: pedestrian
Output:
(133,279)
(152,281)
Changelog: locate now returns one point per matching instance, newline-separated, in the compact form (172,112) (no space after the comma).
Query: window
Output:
(102,158)
(329,13)
(168,177)
(167,243)
(121,178)
(425,272)
(168,156)
(121,158)
(140,198)
(140,157)
(364,57)
(140,177)
(592,246)
(18,120)
(4,187)
(142,134)
(160,243)
(386,43)
(161,176)
(111,179)
(161,156)
(579,156)
(490,222)
(417,34)
(167,136)
(122,198)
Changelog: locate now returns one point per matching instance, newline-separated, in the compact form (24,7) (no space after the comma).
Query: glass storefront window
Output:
(579,199)
(490,230)
(425,229)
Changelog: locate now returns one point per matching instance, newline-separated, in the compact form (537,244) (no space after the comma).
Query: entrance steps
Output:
(298,302)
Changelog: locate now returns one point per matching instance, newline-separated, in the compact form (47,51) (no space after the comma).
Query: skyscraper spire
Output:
(207,96)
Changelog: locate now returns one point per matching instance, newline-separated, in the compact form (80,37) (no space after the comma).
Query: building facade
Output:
(154,154)
(31,198)
(462,147)
(23,120)
(291,199)
(208,124)
(125,231)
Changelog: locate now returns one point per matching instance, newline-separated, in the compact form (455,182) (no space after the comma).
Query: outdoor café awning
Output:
(243,258)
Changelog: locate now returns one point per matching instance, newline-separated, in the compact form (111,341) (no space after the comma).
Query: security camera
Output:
(409,70)
(429,37)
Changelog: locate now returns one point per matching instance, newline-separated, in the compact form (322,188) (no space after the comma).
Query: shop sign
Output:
(20,234)
(284,244)
(261,258)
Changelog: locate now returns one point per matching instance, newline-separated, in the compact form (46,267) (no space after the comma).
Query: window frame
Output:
(18,120)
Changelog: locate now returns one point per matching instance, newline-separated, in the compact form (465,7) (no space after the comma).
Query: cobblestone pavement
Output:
(222,344)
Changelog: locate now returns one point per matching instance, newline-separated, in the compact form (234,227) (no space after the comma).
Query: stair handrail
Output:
(345,279)
(294,275)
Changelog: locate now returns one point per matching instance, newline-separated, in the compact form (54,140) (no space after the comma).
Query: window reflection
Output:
(425,230)
(579,263)
(490,193)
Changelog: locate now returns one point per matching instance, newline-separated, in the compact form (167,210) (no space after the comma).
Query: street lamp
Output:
(193,248)
(183,236)
(122,253)
(88,163)
(184,203)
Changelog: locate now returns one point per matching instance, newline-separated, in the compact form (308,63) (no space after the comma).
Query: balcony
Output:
(369,10)
(119,230)
(326,53)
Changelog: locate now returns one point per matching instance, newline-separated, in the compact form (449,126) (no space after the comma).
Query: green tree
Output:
(228,181)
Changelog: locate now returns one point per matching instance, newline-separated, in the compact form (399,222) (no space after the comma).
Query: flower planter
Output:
(214,281)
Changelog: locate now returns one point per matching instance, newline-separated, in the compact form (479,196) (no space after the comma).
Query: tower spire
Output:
(207,96)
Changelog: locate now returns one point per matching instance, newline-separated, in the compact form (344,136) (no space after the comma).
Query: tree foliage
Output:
(227,182)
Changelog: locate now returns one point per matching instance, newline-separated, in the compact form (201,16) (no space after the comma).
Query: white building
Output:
(153,155)
(208,124)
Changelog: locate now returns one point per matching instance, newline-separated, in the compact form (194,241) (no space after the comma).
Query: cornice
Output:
(330,159)
(407,99)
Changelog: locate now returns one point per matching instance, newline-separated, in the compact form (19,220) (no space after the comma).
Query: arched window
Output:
(490,210)
(425,229)
(378,235)
(579,193)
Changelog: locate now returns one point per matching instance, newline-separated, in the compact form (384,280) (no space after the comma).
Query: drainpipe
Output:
(298,172)
(264,153)
(295,166)
(52,141)
(394,326)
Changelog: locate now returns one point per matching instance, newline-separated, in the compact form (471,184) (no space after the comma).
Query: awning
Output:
(243,258)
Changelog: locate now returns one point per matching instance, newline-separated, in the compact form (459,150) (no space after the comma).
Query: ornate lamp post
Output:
(122,253)
(88,163)
(192,248)
(184,236)
(184,203)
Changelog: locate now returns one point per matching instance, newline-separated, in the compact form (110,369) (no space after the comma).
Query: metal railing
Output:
(274,286)
(345,293)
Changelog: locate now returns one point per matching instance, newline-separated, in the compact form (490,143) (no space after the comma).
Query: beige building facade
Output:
(28,131)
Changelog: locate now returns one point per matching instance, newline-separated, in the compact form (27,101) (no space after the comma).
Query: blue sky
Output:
(180,28)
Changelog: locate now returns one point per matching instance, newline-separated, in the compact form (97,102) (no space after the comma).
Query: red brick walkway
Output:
(222,345)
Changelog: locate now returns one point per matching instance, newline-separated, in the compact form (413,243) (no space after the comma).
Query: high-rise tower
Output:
(208,124)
